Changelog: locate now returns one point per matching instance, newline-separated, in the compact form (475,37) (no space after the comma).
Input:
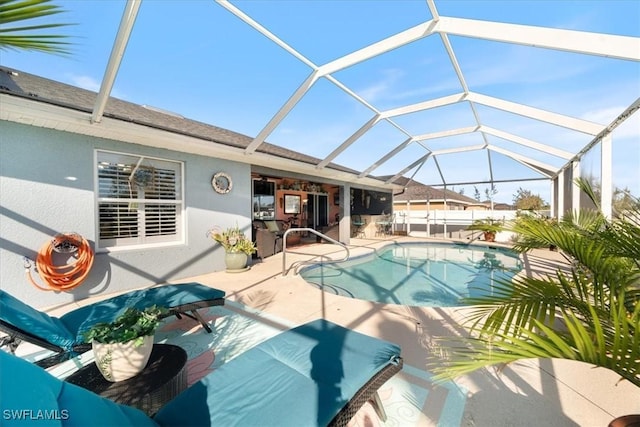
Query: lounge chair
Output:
(63,335)
(317,374)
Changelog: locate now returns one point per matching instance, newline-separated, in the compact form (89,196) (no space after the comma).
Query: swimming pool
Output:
(417,274)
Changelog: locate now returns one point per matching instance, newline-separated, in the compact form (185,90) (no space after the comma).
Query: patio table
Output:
(164,377)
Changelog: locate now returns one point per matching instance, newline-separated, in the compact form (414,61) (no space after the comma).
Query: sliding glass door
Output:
(317,210)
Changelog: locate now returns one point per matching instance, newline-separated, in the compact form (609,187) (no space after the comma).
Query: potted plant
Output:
(488,226)
(238,248)
(122,348)
(589,314)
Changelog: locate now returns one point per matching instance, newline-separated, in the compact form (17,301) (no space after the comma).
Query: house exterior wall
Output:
(476,208)
(47,187)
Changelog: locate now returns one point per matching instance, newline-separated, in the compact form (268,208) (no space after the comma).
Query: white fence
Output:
(449,224)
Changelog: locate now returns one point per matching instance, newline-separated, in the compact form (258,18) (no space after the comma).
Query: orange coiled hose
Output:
(68,276)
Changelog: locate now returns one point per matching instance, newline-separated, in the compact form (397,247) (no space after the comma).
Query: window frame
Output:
(141,241)
(257,199)
(292,204)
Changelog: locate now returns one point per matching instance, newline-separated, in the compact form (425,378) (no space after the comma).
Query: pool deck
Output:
(528,393)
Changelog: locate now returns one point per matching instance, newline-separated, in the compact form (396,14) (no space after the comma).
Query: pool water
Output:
(417,274)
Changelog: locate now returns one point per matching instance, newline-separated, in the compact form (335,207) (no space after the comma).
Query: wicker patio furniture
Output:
(316,374)
(63,335)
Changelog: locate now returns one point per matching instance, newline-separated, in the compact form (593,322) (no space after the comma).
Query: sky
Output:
(196,59)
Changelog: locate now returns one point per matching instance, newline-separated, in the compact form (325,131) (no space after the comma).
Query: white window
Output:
(139,200)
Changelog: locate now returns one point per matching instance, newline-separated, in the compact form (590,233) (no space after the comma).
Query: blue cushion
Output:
(83,318)
(67,330)
(32,396)
(23,316)
(301,377)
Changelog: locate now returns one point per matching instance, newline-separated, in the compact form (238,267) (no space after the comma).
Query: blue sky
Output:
(197,59)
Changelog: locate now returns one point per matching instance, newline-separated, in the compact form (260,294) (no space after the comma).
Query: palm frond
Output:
(22,36)
(613,344)
(624,236)
(585,186)
(512,304)
(590,313)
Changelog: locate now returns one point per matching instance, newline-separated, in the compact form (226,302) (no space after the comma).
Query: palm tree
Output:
(590,314)
(23,36)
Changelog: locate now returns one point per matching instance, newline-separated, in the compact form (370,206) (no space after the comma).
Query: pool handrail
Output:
(317,233)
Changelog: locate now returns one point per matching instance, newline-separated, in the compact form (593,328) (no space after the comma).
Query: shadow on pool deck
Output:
(533,392)
(528,393)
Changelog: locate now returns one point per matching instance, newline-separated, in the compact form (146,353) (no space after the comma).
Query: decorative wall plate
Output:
(221,182)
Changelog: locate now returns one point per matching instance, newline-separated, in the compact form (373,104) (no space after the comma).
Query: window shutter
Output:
(139,200)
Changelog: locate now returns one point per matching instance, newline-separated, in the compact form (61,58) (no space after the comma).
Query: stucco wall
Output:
(39,200)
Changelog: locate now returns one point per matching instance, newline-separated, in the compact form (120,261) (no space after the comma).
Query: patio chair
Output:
(63,335)
(317,374)
(358,226)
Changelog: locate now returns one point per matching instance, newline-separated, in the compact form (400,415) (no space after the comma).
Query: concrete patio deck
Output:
(529,393)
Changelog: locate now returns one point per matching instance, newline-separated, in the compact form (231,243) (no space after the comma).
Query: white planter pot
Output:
(121,361)
(236,261)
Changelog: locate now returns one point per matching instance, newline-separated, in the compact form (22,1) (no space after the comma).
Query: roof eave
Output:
(34,112)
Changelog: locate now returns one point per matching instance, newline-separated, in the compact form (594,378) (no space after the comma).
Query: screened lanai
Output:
(457,95)
(492,96)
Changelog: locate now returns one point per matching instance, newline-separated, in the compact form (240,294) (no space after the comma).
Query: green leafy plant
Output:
(488,226)
(525,238)
(232,240)
(24,35)
(590,313)
(133,324)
